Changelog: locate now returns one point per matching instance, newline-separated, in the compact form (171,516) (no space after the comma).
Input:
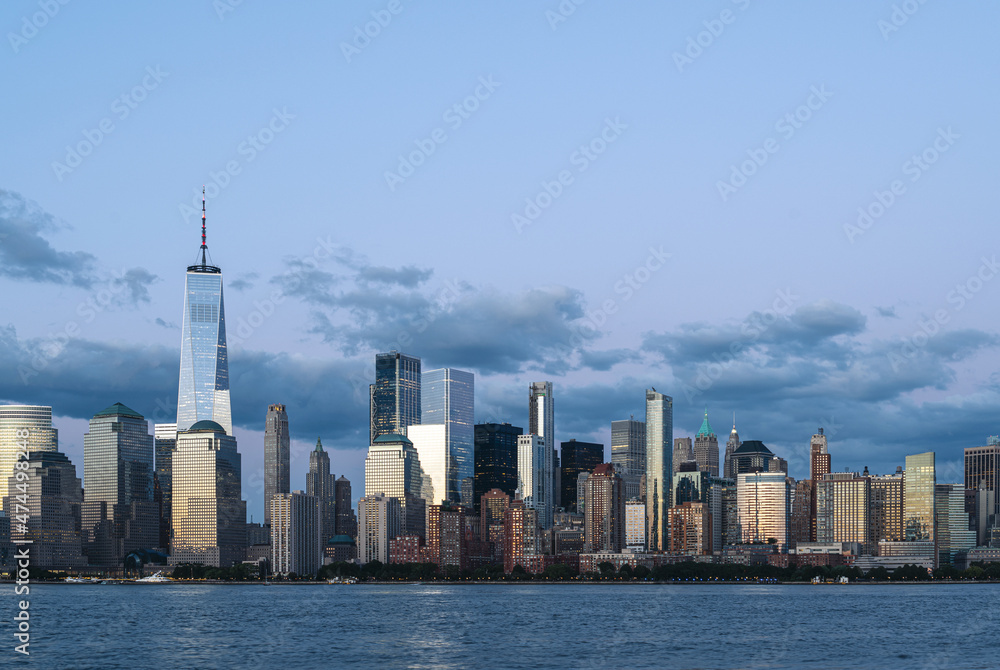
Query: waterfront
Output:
(509,625)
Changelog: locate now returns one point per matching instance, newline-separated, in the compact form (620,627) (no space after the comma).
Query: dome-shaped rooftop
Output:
(206,425)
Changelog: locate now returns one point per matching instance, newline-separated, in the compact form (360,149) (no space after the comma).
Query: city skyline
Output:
(883,336)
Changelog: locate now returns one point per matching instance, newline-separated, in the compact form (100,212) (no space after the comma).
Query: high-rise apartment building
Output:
(691,529)
(541,422)
(604,519)
(496,459)
(762,499)
(164,446)
(886,513)
(209,515)
(919,480)
(522,536)
(380,519)
(800,517)
(534,485)
(395,395)
(628,453)
(492,506)
(982,473)
(393,469)
(706,448)
(659,468)
(843,504)
(296,534)
(577,457)
(277,456)
(819,465)
(635,525)
(203,389)
(447,400)
(118,513)
(323,485)
(23,428)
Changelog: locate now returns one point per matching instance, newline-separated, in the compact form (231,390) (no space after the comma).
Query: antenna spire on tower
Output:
(203,245)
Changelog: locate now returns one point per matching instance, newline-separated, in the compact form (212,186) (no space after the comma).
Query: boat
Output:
(342,580)
(77,580)
(155,578)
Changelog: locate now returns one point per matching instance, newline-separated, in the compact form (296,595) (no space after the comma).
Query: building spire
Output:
(204,246)
(319,445)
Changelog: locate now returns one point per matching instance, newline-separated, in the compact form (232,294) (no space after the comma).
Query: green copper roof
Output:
(705,428)
(319,445)
(119,409)
(391,438)
(206,424)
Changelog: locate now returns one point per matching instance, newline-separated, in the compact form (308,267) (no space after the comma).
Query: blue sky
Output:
(624,198)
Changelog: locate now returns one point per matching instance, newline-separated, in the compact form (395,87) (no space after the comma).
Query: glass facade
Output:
(393,469)
(533,484)
(953,533)
(982,470)
(843,502)
(447,399)
(277,456)
(628,453)
(203,391)
(886,514)
(209,517)
(763,505)
(577,457)
(496,459)
(541,422)
(918,497)
(659,467)
(164,445)
(395,395)
(37,420)
(118,515)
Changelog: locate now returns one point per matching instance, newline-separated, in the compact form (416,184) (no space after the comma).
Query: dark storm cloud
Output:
(27,256)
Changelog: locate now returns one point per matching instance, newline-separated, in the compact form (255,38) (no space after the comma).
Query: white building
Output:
(635,525)
(380,518)
(533,482)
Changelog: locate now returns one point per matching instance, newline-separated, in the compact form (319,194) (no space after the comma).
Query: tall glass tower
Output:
(23,428)
(446,399)
(203,392)
(659,467)
(541,422)
(395,395)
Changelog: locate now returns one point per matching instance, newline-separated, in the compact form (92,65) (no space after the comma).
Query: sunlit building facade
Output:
(691,529)
(447,399)
(209,516)
(380,519)
(762,500)
(659,468)
(919,480)
(886,513)
(842,507)
(393,469)
(23,428)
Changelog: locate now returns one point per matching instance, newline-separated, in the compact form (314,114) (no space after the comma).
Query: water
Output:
(507,626)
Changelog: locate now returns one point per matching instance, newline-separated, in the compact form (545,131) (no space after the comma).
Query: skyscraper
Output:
(541,422)
(534,486)
(659,467)
(628,453)
(380,519)
(604,520)
(577,457)
(50,498)
(706,448)
(752,456)
(431,443)
(118,513)
(447,399)
(819,465)
(277,456)
(23,428)
(952,523)
(296,542)
(732,444)
(683,452)
(886,514)
(919,480)
(323,486)
(842,509)
(347,522)
(209,515)
(395,395)
(982,473)
(763,503)
(164,446)
(203,391)
(393,469)
(496,459)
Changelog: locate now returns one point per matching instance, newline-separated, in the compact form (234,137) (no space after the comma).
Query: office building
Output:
(277,456)
(209,515)
(919,480)
(683,452)
(953,534)
(659,468)
(380,519)
(347,522)
(323,485)
(753,456)
(164,446)
(706,448)
(496,459)
(203,389)
(118,513)
(395,395)
(541,422)
(843,503)
(23,428)
(393,469)
(628,453)
(982,473)
(447,399)
(431,444)
(763,502)
(604,519)
(577,457)
(886,513)
(296,534)
(50,497)
(534,485)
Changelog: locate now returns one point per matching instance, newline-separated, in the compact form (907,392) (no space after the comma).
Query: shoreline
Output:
(569,582)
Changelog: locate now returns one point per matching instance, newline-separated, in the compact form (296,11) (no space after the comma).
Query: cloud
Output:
(244,282)
(133,286)
(165,324)
(409,276)
(887,312)
(25,255)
